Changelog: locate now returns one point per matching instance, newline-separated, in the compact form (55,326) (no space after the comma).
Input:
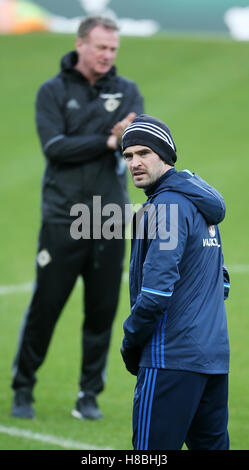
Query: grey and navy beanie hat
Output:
(153,133)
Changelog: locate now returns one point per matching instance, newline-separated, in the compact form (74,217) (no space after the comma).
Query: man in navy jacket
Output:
(176,338)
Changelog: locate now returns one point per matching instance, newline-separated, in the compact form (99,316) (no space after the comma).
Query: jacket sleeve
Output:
(226,278)
(57,145)
(160,273)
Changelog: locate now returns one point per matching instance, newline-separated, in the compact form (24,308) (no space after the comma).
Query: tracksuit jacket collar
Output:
(159,184)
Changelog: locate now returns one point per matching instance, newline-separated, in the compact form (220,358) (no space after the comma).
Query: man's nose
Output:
(109,54)
(136,161)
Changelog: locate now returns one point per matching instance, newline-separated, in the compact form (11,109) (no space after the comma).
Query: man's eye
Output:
(144,153)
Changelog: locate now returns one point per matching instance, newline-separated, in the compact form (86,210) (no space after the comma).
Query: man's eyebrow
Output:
(143,151)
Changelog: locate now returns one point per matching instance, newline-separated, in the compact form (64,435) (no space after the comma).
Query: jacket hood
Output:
(206,198)
(69,60)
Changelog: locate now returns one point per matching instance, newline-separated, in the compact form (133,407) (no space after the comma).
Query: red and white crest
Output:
(211,230)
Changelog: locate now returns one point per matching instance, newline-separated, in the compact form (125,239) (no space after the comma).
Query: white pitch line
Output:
(58,441)
(13,289)
(28,286)
(238,268)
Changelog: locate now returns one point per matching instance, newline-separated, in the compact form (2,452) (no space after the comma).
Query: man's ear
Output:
(78,43)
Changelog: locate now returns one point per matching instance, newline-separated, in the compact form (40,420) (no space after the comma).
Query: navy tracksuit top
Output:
(178,281)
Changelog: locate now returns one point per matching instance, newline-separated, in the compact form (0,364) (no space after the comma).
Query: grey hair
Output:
(90,22)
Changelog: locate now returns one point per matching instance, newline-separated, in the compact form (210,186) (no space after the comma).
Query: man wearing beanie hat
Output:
(175,338)
(149,131)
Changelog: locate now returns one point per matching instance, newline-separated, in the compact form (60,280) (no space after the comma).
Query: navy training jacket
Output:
(178,281)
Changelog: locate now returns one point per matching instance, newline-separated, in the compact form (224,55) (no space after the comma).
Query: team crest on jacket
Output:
(43,258)
(211,230)
(112,101)
(212,241)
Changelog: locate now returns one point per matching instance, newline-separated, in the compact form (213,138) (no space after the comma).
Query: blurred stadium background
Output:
(190,59)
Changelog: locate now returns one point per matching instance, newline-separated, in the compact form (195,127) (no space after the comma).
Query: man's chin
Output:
(139,184)
(100,71)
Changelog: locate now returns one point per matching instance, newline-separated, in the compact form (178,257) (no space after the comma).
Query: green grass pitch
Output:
(199,86)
